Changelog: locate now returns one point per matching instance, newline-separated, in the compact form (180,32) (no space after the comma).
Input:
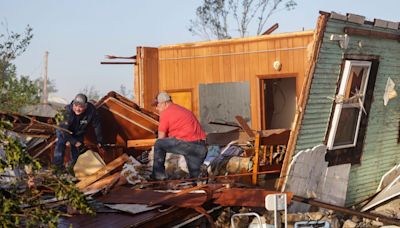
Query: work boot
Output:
(153,178)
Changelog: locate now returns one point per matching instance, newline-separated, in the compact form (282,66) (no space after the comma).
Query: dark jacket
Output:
(78,124)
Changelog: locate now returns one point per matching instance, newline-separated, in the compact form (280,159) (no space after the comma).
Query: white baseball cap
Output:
(161,97)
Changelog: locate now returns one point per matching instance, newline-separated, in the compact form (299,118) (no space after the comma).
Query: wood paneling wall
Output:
(146,76)
(185,66)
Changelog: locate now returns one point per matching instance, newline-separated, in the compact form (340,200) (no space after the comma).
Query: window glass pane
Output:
(347,126)
(355,84)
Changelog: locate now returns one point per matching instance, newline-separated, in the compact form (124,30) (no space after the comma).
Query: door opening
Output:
(278,102)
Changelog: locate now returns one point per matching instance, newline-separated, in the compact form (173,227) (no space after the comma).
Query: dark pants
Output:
(194,153)
(59,152)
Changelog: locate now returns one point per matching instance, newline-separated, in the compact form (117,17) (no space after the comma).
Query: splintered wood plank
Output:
(244,126)
(138,143)
(256,160)
(103,183)
(167,197)
(102,172)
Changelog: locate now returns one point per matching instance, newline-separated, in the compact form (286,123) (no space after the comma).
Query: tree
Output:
(91,92)
(125,92)
(214,17)
(51,86)
(15,91)
(22,196)
(12,45)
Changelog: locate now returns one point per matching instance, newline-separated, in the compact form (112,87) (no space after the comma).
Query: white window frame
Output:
(339,106)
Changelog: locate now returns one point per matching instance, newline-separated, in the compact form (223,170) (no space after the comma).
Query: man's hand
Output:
(78,144)
(161,134)
(100,145)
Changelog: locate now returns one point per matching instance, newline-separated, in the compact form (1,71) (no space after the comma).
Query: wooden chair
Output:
(270,142)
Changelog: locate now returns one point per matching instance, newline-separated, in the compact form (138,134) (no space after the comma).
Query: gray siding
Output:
(381,150)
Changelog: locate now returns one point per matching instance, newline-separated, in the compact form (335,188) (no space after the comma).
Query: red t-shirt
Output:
(178,122)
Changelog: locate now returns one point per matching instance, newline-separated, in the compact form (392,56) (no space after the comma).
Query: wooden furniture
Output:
(269,141)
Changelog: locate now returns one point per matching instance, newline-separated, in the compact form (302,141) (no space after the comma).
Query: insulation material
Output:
(87,164)
(390,91)
(175,165)
(239,164)
(133,171)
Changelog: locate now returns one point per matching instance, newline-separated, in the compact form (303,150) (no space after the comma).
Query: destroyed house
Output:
(343,73)
(328,97)
(347,105)
(258,78)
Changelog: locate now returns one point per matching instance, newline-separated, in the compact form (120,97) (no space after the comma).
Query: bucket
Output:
(239,165)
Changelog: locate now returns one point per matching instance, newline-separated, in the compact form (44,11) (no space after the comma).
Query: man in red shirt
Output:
(179,132)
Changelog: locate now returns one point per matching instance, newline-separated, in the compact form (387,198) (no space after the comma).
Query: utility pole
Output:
(45,96)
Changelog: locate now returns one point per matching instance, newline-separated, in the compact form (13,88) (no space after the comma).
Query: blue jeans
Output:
(59,152)
(194,153)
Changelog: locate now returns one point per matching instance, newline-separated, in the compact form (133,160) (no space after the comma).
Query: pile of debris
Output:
(238,177)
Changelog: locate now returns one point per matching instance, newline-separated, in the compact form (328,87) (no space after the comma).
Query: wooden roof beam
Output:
(271,29)
(118,63)
(371,33)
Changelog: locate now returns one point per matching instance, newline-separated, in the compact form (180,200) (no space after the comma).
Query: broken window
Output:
(349,106)
(349,121)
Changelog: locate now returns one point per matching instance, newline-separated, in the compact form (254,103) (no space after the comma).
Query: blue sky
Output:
(78,34)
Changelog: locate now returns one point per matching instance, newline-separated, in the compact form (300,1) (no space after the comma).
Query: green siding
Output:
(381,150)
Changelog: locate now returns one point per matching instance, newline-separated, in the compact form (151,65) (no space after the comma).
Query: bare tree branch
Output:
(214,17)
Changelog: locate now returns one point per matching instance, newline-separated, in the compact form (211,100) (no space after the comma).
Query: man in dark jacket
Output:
(78,116)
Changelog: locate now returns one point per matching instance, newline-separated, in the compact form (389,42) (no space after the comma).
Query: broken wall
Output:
(380,150)
(186,66)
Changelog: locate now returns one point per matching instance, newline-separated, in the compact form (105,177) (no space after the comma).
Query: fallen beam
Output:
(140,143)
(117,62)
(45,148)
(245,197)
(271,29)
(385,220)
(102,172)
(103,183)
(243,124)
(273,171)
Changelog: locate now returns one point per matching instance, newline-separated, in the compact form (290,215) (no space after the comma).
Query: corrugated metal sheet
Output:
(381,150)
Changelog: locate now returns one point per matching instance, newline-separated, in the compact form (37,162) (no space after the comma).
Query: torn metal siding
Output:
(381,150)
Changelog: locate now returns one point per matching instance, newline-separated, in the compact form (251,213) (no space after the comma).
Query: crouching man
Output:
(179,132)
(78,116)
